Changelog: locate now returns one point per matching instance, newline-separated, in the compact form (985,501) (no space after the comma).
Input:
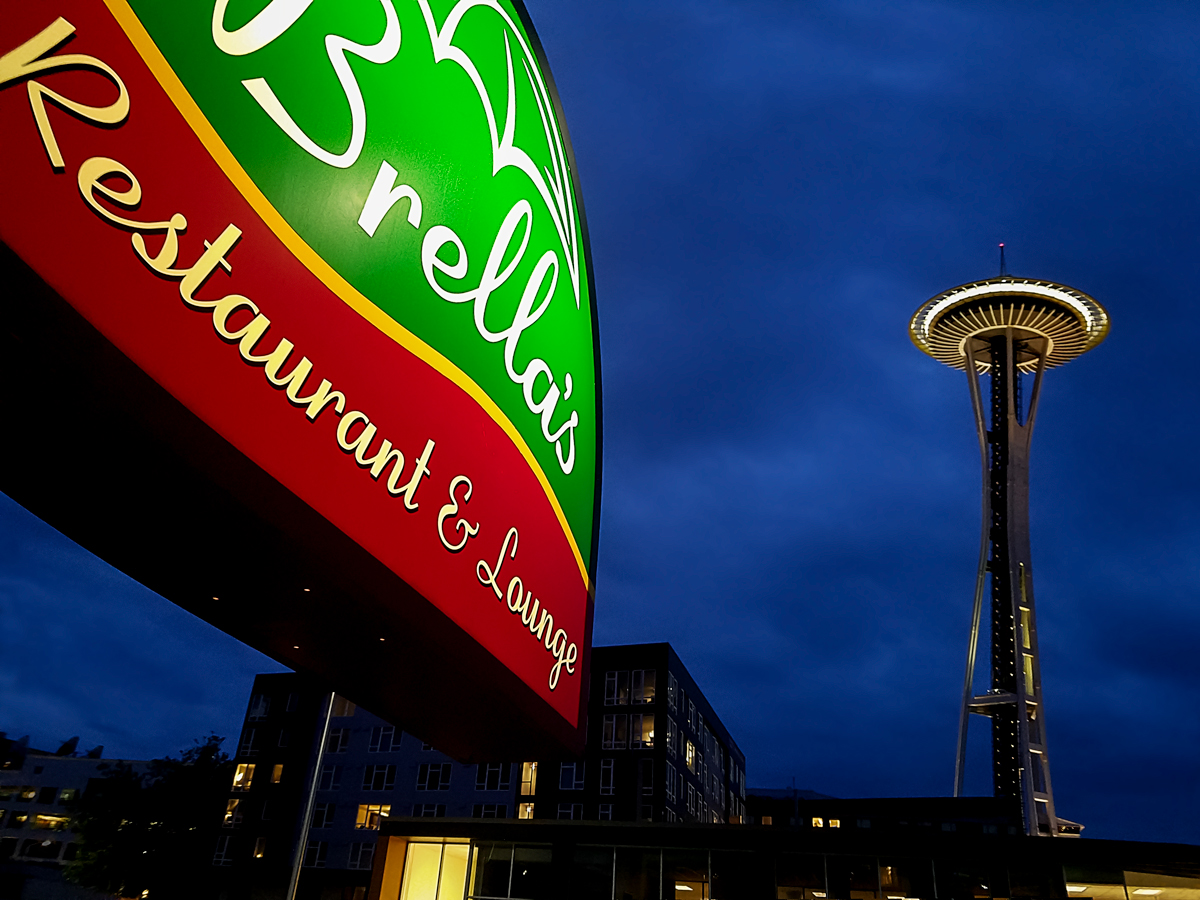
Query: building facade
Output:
(37,788)
(656,750)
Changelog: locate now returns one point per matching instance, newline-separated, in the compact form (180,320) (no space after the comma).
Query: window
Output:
(672,737)
(47,795)
(383,739)
(246,746)
(243,775)
(260,705)
(570,776)
(528,779)
(221,856)
(691,799)
(429,810)
(433,777)
(525,811)
(293,702)
(614,736)
(379,778)
(331,778)
(835,823)
(643,685)
(616,688)
(642,733)
(277,773)
(818,822)
(323,815)
(232,814)
(342,708)
(260,847)
(689,756)
(489,811)
(1028,674)
(606,776)
(692,716)
(51,823)
(338,740)
(266,812)
(492,776)
(283,737)
(29,792)
(646,775)
(362,856)
(66,795)
(672,781)
(314,854)
(570,810)
(672,691)
(369,815)
(605,812)
(670,816)
(425,745)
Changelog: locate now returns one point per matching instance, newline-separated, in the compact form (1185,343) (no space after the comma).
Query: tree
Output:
(150,833)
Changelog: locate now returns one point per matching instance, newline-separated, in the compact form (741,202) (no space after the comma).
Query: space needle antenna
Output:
(1004,328)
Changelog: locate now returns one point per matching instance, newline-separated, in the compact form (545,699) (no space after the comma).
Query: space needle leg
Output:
(960,762)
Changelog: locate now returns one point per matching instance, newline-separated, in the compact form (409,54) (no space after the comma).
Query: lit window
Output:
(642,732)
(818,823)
(1026,637)
(277,773)
(260,847)
(232,815)
(606,776)
(243,775)
(835,823)
(570,776)
(643,685)
(1028,674)
(369,815)
(528,779)
(28,792)
(492,776)
(67,795)
(525,811)
(690,756)
(51,823)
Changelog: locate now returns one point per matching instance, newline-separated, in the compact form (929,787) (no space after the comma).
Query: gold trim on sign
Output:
(310,259)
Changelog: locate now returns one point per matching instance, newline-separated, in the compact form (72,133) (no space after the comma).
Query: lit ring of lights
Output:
(1070,320)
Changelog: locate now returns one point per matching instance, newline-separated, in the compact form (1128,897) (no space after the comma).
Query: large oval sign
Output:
(347,238)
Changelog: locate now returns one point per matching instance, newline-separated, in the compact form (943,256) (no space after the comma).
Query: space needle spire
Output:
(1010,330)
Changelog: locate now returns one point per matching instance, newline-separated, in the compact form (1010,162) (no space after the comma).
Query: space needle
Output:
(1006,328)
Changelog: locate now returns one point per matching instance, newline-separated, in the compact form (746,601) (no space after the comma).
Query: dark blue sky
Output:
(791,489)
